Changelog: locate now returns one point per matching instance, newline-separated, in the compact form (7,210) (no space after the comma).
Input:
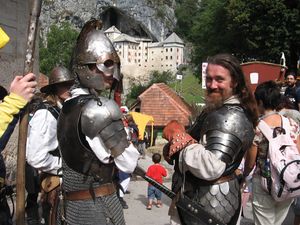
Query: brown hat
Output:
(58,75)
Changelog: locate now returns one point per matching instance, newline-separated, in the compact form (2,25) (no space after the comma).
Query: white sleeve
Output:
(126,162)
(41,140)
(201,162)
(99,149)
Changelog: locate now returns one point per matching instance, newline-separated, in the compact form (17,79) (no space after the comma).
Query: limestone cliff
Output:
(145,18)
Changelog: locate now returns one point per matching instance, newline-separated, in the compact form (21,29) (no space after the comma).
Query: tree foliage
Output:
(155,77)
(58,48)
(256,29)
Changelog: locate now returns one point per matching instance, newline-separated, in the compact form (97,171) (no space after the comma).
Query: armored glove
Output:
(175,133)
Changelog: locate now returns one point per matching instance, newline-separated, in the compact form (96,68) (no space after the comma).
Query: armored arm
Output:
(102,117)
(228,133)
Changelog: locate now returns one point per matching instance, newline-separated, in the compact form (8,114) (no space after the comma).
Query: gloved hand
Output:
(174,132)
(171,129)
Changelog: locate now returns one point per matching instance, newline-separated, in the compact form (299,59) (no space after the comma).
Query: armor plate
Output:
(103,116)
(74,148)
(227,132)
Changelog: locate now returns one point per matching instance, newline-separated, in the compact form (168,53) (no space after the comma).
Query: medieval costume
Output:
(208,155)
(91,135)
(42,152)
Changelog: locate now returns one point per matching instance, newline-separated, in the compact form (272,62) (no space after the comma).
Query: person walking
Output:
(156,172)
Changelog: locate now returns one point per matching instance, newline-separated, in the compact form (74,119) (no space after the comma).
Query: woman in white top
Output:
(42,145)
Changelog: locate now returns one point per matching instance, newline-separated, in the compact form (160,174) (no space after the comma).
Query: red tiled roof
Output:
(164,105)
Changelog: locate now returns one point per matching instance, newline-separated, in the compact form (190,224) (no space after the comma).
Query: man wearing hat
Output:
(42,147)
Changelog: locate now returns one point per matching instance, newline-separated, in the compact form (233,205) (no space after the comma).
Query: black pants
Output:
(32,185)
(5,215)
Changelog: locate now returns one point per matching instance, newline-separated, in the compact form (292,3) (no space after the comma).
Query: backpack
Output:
(284,162)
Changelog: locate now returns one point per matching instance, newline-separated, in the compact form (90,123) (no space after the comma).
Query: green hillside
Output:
(189,88)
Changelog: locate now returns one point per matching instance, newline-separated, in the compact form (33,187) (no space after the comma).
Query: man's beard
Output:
(213,101)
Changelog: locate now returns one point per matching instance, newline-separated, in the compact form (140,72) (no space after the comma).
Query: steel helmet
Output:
(58,75)
(94,48)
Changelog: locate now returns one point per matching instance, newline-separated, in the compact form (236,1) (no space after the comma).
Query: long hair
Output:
(40,98)
(242,89)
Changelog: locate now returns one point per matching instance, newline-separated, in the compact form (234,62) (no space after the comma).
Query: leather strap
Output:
(218,181)
(103,190)
(224,179)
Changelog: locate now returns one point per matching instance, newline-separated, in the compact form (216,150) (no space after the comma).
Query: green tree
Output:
(256,29)
(58,47)
(138,88)
(266,28)
(160,77)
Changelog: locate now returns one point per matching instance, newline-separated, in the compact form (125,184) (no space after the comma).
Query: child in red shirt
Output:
(156,172)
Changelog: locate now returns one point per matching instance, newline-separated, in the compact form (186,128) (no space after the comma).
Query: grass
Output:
(189,88)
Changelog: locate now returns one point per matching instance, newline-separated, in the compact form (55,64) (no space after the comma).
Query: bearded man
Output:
(207,156)
(292,91)
(91,135)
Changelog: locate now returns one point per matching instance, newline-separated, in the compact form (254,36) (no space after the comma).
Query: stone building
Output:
(140,56)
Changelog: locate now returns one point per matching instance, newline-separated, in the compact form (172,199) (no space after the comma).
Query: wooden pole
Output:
(32,31)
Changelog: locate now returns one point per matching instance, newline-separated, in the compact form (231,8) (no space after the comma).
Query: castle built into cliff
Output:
(140,56)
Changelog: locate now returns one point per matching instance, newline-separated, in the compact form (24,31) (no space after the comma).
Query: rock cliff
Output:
(144,18)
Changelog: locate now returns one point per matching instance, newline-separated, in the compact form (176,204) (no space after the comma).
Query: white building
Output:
(141,56)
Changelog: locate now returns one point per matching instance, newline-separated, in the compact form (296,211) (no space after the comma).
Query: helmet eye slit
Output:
(109,63)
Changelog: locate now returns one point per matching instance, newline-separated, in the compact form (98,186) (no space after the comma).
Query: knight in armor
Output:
(207,156)
(42,154)
(91,135)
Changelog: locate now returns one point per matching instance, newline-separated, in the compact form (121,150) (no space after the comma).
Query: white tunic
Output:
(41,140)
